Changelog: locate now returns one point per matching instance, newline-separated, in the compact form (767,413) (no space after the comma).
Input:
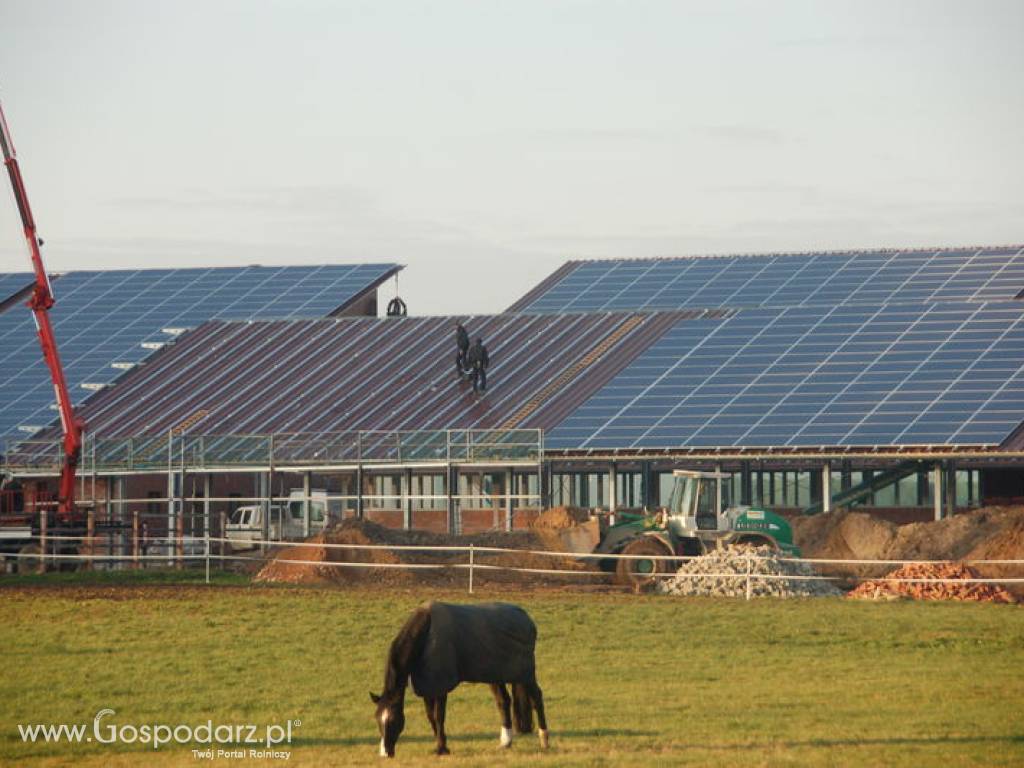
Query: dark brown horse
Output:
(442,645)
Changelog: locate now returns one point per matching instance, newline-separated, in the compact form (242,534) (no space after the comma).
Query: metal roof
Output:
(334,375)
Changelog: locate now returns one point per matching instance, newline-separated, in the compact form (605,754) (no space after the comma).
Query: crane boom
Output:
(40,303)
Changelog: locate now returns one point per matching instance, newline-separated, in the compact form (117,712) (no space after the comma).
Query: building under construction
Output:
(892,380)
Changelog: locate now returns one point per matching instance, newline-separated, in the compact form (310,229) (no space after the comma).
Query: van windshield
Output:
(240,516)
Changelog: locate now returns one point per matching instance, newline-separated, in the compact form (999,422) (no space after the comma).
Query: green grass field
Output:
(628,680)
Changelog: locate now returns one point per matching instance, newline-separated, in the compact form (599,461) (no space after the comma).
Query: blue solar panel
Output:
(888,374)
(817,279)
(103,318)
(12,282)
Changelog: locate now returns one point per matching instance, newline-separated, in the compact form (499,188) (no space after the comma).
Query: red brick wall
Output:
(433,520)
(389,518)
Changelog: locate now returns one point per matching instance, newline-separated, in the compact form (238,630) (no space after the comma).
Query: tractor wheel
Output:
(641,573)
(28,562)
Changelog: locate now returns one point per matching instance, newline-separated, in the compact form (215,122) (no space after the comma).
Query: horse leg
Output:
(439,706)
(504,702)
(537,699)
(428,704)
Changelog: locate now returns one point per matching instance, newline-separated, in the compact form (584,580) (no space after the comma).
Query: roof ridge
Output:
(813,252)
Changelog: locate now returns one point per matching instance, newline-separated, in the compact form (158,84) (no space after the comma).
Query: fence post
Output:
(90,533)
(42,539)
(748,574)
(471,568)
(180,532)
(206,536)
(135,539)
(223,535)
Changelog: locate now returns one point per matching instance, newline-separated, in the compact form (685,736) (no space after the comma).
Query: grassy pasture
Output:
(628,680)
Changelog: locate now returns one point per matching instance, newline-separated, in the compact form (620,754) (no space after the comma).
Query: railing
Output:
(201,550)
(293,449)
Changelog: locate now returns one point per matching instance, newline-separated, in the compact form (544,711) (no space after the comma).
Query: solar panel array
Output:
(811,279)
(886,374)
(102,319)
(12,282)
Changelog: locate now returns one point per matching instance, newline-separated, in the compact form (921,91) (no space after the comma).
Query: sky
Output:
(482,144)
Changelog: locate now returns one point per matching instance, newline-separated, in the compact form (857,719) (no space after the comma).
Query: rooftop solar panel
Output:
(947,374)
(812,279)
(13,282)
(102,319)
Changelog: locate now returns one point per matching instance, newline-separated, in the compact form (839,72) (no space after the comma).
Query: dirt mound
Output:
(987,533)
(882,589)
(311,564)
(844,536)
(560,518)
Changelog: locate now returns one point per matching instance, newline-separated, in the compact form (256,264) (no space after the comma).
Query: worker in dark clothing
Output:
(462,341)
(478,362)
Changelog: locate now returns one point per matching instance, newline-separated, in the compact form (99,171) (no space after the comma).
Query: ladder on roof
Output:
(573,371)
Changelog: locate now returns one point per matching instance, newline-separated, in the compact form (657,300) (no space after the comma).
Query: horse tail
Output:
(522,708)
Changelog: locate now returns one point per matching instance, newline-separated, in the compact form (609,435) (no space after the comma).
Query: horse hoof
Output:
(442,751)
(543,739)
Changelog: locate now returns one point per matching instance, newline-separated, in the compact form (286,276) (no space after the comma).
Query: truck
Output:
(245,525)
(700,516)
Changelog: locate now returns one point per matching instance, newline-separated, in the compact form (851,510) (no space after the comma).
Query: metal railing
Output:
(291,449)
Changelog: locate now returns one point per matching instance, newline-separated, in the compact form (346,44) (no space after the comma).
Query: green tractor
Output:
(700,516)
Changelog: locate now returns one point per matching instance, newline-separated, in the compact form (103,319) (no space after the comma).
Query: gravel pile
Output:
(710,576)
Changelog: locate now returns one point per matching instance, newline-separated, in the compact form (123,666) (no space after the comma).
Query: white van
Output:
(245,526)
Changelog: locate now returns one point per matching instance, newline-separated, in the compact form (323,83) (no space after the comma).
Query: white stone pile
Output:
(723,573)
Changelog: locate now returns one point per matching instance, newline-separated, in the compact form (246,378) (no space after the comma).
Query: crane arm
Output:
(40,303)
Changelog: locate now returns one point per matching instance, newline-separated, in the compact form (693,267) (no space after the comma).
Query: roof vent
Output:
(154,344)
(94,386)
(123,366)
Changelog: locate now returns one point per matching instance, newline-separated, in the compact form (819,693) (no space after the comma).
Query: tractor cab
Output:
(699,501)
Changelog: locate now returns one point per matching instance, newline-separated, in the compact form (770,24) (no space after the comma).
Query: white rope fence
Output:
(472,551)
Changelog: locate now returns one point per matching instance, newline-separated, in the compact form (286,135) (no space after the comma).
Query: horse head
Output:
(390,718)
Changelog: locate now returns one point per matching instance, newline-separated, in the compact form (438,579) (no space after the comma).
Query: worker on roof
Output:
(462,340)
(478,362)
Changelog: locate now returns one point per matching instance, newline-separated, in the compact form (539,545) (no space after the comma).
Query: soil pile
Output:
(932,590)
(560,518)
(987,533)
(312,564)
(723,573)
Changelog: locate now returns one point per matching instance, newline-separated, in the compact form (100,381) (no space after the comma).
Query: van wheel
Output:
(641,572)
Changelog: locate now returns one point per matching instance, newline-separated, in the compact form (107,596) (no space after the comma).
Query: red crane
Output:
(40,303)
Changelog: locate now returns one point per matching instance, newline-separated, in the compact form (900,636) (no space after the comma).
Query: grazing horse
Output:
(442,645)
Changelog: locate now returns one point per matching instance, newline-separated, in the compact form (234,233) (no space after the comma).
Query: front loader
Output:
(699,517)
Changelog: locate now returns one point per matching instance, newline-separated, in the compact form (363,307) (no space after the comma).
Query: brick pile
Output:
(881,589)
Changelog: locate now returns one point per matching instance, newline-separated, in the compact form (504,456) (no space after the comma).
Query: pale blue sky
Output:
(484,143)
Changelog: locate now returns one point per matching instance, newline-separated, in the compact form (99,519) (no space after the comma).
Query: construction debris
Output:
(881,589)
(724,573)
